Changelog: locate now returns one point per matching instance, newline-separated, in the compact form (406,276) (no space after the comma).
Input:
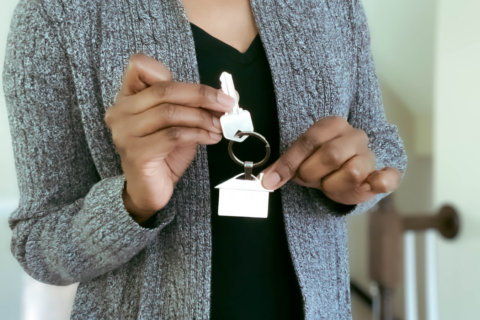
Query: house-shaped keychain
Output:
(243,198)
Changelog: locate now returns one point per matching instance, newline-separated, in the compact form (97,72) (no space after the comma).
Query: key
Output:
(238,119)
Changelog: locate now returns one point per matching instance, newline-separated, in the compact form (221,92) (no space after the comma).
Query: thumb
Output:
(142,72)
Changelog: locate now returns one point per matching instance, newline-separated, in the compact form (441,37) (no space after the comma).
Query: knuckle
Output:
(136,57)
(207,92)
(305,175)
(354,175)
(309,142)
(118,139)
(118,136)
(174,133)
(204,117)
(164,89)
(335,120)
(340,122)
(168,112)
(135,60)
(197,134)
(202,90)
(362,136)
(108,118)
(332,155)
(371,157)
(287,169)
(336,123)
(382,185)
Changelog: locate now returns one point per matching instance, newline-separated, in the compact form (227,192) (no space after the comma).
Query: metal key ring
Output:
(256,135)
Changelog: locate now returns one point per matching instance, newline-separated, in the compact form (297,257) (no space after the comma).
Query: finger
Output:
(351,175)
(287,165)
(187,94)
(216,114)
(332,155)
(382,181)
(170,115)
(142,72)
(350,197)
(159,144)
(183,136)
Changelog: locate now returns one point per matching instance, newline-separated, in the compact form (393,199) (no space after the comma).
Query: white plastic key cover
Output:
(235,121)
(243,198)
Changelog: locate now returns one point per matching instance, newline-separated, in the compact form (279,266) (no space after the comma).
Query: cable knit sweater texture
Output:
(64,65)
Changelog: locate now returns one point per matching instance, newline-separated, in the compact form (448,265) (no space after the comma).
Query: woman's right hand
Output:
(156,126)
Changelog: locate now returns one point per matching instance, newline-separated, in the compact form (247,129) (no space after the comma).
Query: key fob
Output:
(243,198)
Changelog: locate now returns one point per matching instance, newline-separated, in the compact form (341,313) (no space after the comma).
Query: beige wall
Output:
(403,36)
(457,155)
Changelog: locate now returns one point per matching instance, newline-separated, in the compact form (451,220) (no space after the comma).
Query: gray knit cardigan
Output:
(64,65)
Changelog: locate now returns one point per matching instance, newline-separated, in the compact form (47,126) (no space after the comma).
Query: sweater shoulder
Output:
(34,44)
(51,12)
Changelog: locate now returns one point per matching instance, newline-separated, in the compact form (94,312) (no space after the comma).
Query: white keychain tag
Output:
(238,119)
(243,198)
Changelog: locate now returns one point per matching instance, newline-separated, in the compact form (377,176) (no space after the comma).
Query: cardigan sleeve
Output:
(70,226)
(366,111)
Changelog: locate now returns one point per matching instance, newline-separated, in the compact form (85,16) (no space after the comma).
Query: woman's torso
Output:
(309,48)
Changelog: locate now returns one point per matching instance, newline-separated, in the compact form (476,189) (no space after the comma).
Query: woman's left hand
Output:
(334,157)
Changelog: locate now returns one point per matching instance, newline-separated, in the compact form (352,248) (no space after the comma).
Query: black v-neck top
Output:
(252,272)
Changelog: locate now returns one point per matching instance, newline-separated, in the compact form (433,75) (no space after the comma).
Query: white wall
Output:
(10,271)
(457,155)
(8,187)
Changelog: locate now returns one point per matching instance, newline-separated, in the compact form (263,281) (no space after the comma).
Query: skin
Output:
(231,21)
(334,157)
(157,124)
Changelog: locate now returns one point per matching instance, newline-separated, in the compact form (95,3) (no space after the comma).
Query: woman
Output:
(112,106)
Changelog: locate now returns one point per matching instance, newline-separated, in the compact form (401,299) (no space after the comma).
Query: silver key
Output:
(238,119)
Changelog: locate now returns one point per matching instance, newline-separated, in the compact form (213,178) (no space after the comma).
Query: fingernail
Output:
(215,136)
(271,180)
(364,187)
(216,123)
(225,100)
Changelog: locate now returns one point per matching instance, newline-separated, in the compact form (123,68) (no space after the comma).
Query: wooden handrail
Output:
(386,227)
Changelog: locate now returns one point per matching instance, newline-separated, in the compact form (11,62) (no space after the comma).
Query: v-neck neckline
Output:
(205,41)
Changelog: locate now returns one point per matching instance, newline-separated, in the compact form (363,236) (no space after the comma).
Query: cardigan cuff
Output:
(106,228)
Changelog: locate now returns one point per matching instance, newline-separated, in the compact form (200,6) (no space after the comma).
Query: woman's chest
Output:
(309,46)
